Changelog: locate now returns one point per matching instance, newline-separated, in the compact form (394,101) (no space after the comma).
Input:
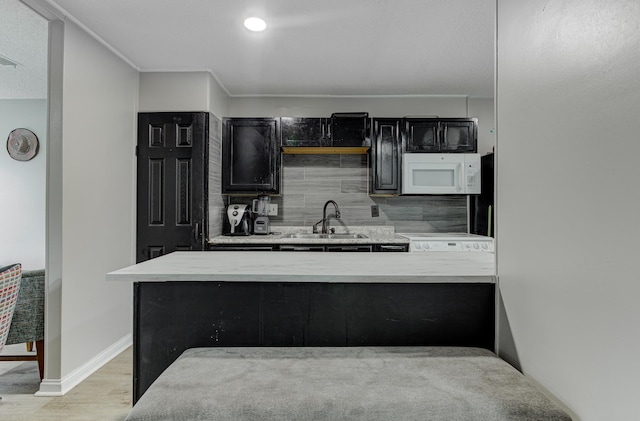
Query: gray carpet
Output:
(21,379)
(372,384)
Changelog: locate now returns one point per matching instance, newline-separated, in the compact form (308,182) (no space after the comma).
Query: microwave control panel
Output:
(472,175)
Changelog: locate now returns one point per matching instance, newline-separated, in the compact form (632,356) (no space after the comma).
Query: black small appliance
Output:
(238,220)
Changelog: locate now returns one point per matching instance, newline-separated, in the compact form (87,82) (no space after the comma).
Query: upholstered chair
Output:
(9,287)
(27,325)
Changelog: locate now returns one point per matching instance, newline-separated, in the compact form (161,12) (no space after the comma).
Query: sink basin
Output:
(334,236)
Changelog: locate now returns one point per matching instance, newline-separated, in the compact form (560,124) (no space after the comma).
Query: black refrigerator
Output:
(482,207)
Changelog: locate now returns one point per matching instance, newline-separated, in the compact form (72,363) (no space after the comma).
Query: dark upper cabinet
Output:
(305,131)
(459,135)
(251,155)
(385,156)
(421,135)
(340,130)
(441,135)
(350,129)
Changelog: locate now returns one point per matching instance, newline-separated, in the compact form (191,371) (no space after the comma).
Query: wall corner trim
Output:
(59,387)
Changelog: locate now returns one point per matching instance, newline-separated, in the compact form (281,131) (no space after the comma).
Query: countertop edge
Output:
(463,278)
(248,266)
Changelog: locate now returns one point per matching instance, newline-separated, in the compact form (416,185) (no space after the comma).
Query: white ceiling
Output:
(23,39)
(328,47)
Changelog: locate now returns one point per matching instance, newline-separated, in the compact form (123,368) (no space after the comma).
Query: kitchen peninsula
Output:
(193,299)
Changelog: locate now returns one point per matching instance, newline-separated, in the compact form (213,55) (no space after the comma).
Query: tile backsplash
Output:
(308,181)
(216,201)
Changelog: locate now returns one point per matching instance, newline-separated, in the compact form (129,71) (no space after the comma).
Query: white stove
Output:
(426,242)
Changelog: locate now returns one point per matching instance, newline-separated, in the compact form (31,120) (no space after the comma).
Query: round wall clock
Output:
(22,144)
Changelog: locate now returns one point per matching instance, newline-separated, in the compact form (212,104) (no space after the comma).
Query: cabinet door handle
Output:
(392,248)
(196,232)
(444,137)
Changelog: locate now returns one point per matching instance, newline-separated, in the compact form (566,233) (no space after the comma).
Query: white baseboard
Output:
(55,387)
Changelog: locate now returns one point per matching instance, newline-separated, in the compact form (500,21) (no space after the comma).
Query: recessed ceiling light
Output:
(255,24)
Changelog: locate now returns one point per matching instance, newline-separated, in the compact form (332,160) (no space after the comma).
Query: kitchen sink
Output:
(334,236)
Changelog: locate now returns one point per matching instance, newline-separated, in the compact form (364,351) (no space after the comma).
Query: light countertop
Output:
(279,235)
(256,266)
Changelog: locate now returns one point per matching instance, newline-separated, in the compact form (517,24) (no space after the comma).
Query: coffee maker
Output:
(238,220)
(261,209)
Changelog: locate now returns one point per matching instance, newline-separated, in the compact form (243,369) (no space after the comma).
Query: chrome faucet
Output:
(325,218)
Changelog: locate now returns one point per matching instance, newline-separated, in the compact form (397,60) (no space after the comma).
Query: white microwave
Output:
(440,173)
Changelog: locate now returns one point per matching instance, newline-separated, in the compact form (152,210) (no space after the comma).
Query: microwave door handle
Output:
(461,186)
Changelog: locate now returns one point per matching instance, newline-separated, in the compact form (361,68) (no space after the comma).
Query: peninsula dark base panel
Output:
(170,317)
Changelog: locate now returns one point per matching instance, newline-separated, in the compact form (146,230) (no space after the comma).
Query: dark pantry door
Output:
(172,183)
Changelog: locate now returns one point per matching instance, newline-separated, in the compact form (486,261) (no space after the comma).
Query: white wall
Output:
(444,106)
(182,91)
(22,185)
(174,91)
(483,109)
(568,199)
(95,163)
(218,98)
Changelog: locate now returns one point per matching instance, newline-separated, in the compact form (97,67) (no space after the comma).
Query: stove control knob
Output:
(485,246)
(476,246)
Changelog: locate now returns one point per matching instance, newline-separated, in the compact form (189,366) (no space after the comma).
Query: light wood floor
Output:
(105,395)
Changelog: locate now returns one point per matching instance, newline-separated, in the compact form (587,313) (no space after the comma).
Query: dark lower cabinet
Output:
(170,317)
(385,156)
(251,155)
